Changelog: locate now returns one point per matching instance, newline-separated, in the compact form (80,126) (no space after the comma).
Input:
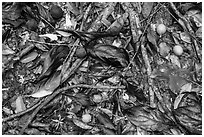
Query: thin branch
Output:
(22,112)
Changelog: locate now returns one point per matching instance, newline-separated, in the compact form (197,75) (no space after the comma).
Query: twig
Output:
(74,67)
(149,71)
(22,112)
(46,43)
(103,15)
(146,27)
(47,22)
(67,61)
(85,16)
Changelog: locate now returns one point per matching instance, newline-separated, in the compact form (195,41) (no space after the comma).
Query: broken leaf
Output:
(20,106)
(53,37)
(30,57)
(6,50)
(185,37)
(199,33)
(178,100)
(186,88)
(7,111)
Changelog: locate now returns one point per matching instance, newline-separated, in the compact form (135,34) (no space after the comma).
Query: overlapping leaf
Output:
(189,113)
(111,55)
(148,119)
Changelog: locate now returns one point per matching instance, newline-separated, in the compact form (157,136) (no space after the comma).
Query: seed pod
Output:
(111,55)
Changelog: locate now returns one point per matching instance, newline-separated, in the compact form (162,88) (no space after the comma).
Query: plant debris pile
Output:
(89,68)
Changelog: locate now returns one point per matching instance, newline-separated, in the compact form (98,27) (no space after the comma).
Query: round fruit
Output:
(178,50)
(164,49)
(97,98)
(32,24)
(86,118)
(161,29)
(56,12)
(80,52)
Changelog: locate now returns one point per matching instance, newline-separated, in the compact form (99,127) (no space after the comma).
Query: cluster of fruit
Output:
(177,49)
(86,118)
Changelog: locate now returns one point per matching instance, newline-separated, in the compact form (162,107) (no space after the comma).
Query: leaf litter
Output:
(54,64)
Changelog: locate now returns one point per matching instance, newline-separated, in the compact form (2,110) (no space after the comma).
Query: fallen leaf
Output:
(20,106)
(63,33)
(48,87)
(53,37)
(199,33)
(178,100)
(186,88)
(105,120)
(185,37)
(41,93)
(7,110)
(30,57)
(106,111)
(108,54)
(6,50)
(81,124)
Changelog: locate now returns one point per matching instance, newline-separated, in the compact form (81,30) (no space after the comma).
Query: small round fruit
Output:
(97,98)
(32,24)
(161,29)
(56,12)
(86,118)
(178,50)
(80,52)
(164,49)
